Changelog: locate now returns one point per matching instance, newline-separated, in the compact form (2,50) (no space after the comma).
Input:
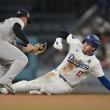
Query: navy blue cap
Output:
(23,12)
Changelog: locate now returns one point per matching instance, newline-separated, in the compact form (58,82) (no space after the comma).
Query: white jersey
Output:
(6,29)
(76,66)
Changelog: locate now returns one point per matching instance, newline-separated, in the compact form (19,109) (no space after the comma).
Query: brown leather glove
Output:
(40,47)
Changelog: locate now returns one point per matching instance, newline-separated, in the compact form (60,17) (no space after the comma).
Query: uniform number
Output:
(79,73)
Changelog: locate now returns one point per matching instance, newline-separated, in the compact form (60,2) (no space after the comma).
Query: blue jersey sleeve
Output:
(104,81)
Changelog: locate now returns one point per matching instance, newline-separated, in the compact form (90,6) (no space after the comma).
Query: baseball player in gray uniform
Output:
(12,60)
(79,62)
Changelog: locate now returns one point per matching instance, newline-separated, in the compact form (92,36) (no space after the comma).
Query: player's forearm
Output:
(23,49)
(105,82)
(63,34)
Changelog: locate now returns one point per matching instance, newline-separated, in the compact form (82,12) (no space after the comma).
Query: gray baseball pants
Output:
(12,61)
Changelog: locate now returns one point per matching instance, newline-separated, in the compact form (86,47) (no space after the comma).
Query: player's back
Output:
(6,27)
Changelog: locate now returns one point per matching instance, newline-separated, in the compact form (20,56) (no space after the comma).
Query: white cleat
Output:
(3,92)
(34,92)
(8,87)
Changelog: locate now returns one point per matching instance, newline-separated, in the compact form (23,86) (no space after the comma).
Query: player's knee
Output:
(46,89)
(24,60)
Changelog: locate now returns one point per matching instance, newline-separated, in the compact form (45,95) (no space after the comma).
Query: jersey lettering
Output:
(77,63)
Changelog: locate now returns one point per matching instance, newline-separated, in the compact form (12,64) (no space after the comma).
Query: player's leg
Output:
(29,85)
(4,69)
(41,81)
(59,86)
(17,87)
(49,84)
(55,88)
(17,59)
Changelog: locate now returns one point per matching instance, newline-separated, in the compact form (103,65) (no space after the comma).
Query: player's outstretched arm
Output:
(104,81)
(21,35)
(61,35)
(38,49)
(23,49)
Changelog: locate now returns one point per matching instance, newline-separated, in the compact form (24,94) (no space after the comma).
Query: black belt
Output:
(62,77)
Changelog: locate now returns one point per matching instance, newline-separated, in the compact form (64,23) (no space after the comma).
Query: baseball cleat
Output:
(2,92)
(8,87)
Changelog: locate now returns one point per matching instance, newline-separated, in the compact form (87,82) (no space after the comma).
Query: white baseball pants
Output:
(49,84)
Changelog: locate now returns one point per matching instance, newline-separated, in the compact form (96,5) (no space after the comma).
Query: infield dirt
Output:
(54,102)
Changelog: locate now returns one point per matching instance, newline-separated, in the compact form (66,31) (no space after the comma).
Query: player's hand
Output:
(58,44)
(30,48)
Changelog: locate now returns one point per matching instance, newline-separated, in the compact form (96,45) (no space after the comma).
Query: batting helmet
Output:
(92,40)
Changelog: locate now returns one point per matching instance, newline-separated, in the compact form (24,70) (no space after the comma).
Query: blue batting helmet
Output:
(92,40)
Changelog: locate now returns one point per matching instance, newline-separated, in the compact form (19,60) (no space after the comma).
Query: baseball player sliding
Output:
(79,62)
(13,60)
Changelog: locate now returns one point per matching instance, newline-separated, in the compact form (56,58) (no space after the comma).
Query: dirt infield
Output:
(55,102)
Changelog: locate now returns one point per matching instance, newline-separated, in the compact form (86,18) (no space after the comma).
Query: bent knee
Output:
(47,89)
(24,59)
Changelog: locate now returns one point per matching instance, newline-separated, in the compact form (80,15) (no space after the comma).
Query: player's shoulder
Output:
(73,39)
(95,61)
(14,20)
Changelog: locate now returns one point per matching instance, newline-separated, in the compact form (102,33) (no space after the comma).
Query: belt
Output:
(62,77)
(66,80)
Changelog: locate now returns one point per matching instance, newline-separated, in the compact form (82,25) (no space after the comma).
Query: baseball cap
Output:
(23,12)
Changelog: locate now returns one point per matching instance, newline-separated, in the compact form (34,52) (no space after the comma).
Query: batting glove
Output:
(58,44)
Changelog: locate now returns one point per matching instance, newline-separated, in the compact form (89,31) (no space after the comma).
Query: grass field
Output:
(54,102)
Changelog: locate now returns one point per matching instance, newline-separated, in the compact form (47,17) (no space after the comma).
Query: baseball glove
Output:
(40,47)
